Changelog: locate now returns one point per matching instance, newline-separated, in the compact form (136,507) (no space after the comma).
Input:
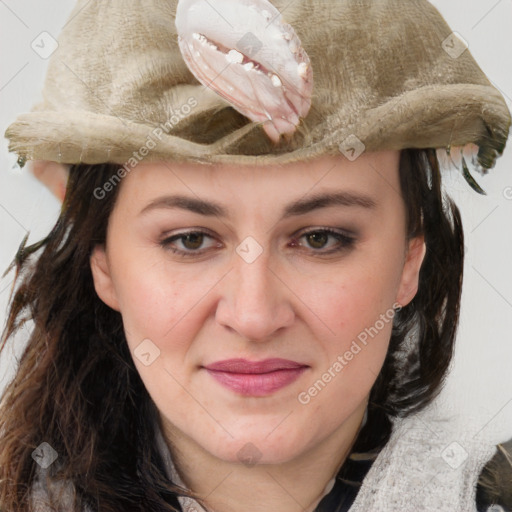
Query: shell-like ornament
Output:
(244,51)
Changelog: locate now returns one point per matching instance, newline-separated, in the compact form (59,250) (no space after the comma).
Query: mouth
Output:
(256,378)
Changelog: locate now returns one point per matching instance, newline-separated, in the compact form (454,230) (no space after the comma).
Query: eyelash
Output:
(346,242)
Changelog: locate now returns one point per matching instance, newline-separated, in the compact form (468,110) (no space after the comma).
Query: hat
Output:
(348,76)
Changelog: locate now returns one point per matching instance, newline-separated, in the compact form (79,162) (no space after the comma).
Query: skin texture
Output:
(291,302)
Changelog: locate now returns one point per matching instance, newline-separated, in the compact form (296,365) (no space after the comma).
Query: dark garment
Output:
(346,486)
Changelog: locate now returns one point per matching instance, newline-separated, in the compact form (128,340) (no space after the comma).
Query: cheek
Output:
(355,306)
(159,308)
(359,316)
(353,298)
(154,298)
(351,355)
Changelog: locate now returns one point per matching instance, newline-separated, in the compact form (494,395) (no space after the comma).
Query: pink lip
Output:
(256,378)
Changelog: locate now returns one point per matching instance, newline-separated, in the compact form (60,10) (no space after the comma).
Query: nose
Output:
(256,300)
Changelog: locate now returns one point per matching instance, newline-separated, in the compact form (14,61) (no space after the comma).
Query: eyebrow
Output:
(298,207)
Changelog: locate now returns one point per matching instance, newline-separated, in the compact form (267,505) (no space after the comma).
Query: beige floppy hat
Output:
(369,75)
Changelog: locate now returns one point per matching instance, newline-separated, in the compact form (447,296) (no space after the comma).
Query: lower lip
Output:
(257,384)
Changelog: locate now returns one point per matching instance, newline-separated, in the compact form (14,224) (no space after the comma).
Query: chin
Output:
(261,444)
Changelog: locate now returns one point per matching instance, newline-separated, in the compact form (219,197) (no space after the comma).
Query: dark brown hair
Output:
(77,388)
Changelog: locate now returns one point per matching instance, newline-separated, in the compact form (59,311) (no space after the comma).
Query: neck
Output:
(293,486)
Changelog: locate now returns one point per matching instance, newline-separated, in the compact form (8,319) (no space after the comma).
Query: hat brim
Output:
(428,117)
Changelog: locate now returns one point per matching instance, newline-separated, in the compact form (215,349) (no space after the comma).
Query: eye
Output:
(192,242)
(318,239)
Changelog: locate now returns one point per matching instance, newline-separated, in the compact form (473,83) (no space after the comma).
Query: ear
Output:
(102,277)
(411,271)
(53,175)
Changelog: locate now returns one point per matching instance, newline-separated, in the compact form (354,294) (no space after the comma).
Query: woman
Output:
(232,314)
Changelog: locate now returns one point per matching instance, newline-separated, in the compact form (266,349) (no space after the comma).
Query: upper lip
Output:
(245,366)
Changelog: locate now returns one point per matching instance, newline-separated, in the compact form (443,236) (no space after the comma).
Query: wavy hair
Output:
(77,388)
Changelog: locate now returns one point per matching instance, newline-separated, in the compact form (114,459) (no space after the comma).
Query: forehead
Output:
(372,174)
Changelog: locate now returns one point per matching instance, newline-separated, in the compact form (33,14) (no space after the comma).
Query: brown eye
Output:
(190,241)
(319,239)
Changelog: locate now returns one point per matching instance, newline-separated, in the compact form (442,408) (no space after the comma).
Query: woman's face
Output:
(214,263)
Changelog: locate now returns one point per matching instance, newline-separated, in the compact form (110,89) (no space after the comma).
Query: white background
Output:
(480,384)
